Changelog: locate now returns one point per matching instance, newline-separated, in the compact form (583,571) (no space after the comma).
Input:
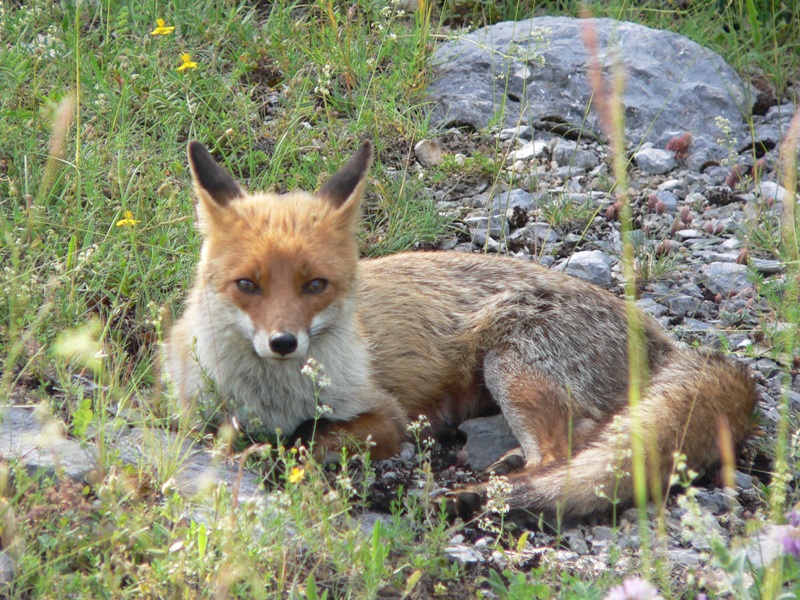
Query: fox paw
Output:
(513,460)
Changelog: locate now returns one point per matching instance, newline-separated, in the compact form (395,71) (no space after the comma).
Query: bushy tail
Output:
(688,402)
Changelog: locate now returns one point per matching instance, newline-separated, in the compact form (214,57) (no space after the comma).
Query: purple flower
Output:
(793,518)
(634,588)
(790,538)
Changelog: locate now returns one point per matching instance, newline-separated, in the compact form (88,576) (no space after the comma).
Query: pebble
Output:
(428,153)
(514,199)
(535,149)
(724,278)
(655,161)
(592,265)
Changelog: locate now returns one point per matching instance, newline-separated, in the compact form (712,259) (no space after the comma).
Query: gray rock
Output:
(541,232)
(535,149)
(695,325)
(767,267)
(488,438)
(743,480)
(683,557)
(514,199)
(576,542)
(769,190)
(428,153)
(494,225)
(567,172)
(197,470)
(366,521)
(40,441)
(688,234)
(672,83)
(591,265)
(652,307)
(716,501)
(682,305)
(793,399)
(655,161)
(669,199)
(7,570)
(522,132)
(567,153)
(42,446)
(603,533)
(724,278)
(463,553)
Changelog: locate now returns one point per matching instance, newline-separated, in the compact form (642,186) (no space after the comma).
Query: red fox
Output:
(440,334)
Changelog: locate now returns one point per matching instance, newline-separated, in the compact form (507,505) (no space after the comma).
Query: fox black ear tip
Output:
(194,148)
(366,147)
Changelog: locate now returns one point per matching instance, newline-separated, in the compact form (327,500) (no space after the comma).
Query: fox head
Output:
(282,268)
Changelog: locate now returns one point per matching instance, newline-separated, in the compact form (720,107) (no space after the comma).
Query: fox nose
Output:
(283,343)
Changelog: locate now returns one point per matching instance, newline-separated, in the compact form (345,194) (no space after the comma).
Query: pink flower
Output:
(634,588)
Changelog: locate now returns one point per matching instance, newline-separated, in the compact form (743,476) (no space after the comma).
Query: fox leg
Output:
(379,430)
(539,411)
(537,408)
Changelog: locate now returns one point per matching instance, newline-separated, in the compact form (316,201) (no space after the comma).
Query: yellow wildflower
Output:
(187,62)
(162,29)
(128,221)
(297,475)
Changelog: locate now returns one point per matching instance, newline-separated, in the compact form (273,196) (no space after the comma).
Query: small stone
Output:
(536,149)
(683,557)
(428,153)
(669,199)
(407,451)
(688,234)
(681,305)
(488,438)
(743,480)
(724,278)
(577,543)
(567,154)
(652,307)
(590,265)
(603,533)
(767,266)
(523,131)
(541,232)
(655,161)
(770,190)
(715,501)
(463,554)
(7,570)
(514,199)
(494,225)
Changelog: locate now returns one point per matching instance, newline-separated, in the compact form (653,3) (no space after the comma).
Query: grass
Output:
(97,248)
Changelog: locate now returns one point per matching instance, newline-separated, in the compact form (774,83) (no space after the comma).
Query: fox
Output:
(436,334)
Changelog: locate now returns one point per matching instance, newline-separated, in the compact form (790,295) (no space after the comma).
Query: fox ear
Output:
(348,182)
(211,180)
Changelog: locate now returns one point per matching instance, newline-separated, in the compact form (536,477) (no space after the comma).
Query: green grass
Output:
(282,93)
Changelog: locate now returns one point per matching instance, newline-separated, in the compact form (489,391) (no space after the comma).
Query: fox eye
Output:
(246,286)
(315,286)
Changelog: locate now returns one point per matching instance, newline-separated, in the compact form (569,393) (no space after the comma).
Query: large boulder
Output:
(535,71)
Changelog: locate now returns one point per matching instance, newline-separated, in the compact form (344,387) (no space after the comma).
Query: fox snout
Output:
(283,343)
(280,345)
